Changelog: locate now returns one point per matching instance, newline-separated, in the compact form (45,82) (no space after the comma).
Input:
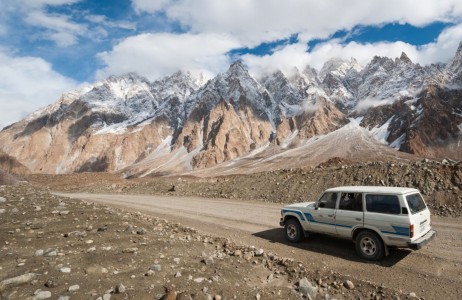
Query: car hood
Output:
(302,204)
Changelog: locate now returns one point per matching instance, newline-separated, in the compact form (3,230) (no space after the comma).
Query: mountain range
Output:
(184,124)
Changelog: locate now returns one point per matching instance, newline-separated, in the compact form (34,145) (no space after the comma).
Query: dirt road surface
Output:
(434,272)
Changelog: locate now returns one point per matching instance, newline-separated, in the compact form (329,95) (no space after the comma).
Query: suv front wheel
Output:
(369,246)
(293,231)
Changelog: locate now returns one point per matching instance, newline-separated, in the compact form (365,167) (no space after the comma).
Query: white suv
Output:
(374,217)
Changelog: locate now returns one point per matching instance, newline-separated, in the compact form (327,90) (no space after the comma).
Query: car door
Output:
(349,214)
(322,219)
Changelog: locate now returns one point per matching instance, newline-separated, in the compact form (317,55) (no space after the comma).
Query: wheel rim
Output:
(368,246)
(291,231)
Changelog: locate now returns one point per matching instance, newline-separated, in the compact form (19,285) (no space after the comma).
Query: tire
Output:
(293,231)
(369,246)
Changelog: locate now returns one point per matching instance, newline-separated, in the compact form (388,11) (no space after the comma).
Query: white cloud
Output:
(150,6)
(253,22)
(27,84)
(160,54)
(41,3)
(285,58)
(103,20)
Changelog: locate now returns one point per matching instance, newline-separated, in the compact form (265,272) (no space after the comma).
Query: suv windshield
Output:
(415,203)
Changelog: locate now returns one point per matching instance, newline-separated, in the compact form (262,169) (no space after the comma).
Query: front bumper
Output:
(423,240)
(281,222)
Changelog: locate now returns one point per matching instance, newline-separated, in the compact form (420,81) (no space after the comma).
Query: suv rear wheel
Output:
(293,231)
(369,246)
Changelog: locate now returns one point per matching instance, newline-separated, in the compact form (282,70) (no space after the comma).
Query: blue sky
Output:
(48,47)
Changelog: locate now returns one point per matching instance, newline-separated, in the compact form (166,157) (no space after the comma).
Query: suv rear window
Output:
(385,204)
(415,203)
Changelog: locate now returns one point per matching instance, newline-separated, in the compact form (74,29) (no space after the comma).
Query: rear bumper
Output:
(423,240)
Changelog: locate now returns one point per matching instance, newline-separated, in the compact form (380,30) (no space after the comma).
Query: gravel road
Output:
(434,272)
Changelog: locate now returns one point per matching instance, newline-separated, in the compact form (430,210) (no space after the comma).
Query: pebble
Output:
(73,288)
(95,269)
(42,295)
(307,289)
(65,270)
(156,267)
(18,280)
(89,242)
(39,252)
(259,252)
(178,274)
(119,289)
(412,295)
(199,279)
(141,231)
(208,261)
(50,284)
(50,252)
(2,210)
(348,284)
(2,200)
(106,296)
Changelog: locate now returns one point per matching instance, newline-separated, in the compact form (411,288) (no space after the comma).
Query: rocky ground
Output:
(439,181)
(58,248)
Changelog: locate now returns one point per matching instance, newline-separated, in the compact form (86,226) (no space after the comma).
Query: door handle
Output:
(358,219)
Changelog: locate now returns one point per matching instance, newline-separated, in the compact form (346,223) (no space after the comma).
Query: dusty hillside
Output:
(11,165)
(54,247)
(440,182)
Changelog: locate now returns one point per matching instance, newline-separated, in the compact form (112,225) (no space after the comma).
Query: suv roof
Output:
(373,189)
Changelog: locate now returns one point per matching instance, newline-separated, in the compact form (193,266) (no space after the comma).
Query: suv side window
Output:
(385,204)
(328,200)
(351,201)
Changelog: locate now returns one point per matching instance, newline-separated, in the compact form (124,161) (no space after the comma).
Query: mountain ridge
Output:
(126,120)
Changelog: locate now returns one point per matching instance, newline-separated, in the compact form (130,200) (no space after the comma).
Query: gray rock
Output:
(39,252)
(119,289)
(50,252)
(348,284)
(141,231)
(2,200)
(259,252)
(412,295)
(208,261)
(2,210)
(95,269)
(307,289)
(15,210)
(42,295)
(50,284)
(106,296)
(18,280)
(155,267)
(73,288)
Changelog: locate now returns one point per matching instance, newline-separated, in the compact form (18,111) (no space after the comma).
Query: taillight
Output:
(411,230)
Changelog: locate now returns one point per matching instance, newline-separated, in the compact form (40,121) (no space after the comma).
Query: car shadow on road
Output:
(331,246)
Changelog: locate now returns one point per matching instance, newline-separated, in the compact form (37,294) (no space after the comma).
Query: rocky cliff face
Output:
(179,123)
